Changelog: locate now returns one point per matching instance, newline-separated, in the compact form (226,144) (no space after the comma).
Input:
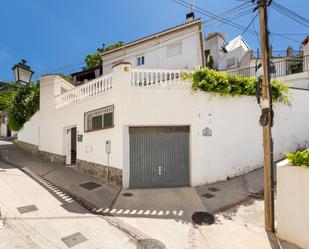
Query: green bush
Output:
(223,83)
(6,99)
(25,104)
(300,158)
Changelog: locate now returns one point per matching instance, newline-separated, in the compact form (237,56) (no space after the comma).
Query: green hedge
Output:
(25,104)
(223,83)
(300,158)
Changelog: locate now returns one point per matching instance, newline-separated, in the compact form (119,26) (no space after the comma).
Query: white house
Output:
(180,47)
(144,126)
(227,55)
(4,128)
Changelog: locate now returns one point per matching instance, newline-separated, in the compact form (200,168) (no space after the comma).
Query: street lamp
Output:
(23,73)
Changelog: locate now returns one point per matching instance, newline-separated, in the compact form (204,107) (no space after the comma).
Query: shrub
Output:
(25,104)
(223,83)
(300,158)
(6,99)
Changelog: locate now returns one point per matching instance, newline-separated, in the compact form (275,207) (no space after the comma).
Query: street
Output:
(53,219)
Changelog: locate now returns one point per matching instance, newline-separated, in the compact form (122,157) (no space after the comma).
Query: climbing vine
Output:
(223,83)
(24,105)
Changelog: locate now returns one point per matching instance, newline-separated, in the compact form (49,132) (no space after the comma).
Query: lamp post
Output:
(22,73)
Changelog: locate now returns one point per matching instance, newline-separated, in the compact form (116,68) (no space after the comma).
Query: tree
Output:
(94,60)
(25,104)
(6,99)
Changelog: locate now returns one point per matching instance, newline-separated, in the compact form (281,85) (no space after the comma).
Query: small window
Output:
(140,60)
(174,49)
(102,118)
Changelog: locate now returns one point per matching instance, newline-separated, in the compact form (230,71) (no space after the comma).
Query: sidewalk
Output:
(224,195)
(65,178)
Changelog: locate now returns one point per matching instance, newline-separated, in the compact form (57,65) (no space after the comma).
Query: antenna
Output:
(192,6)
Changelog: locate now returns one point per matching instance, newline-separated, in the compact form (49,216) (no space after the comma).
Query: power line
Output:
(290,14)
(212,15)
(236,12)
(248,26)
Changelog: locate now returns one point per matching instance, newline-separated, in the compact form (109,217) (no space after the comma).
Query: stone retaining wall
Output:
(28,147)
(51,157)
(99,170)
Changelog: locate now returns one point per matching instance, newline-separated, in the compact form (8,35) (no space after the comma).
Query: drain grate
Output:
(203,218)
(90,185)
(150,244)
(207,195)
(27,209)
(74,239)
(127,194)
(213,189)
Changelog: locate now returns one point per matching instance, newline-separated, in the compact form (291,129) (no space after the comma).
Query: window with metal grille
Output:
(99,119)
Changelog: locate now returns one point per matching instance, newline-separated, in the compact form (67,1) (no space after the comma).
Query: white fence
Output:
(139,78)
(156,77)
(92,88)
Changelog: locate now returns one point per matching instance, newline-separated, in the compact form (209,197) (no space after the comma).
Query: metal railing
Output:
(288,66)
(92,88)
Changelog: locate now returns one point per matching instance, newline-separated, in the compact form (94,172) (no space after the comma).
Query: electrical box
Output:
(79,138)
(108,146)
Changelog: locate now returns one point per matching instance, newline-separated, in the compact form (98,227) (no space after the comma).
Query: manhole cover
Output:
(74,239)
(27,209)
(213,189)
(207,195)
(150,244)
(90,185)
(127,194)
(203,218)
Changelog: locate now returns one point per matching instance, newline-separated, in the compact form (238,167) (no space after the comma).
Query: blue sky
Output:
(56,34)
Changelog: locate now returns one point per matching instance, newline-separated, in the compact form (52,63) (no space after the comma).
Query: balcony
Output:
(288,66)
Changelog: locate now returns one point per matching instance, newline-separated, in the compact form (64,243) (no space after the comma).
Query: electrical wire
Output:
(290,14)
(247,28)
(233,13)
(212,15)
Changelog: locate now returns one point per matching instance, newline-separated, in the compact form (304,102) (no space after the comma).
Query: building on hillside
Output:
(141,125)
(86,75)
(4,128)
(227,55)
(179,47)
(286,63)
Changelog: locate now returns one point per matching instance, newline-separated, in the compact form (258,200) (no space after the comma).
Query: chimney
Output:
(289,51)
(190,17)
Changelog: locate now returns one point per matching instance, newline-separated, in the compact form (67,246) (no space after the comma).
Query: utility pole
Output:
(266,119)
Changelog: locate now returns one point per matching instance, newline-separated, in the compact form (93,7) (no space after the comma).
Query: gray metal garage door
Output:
(159,156)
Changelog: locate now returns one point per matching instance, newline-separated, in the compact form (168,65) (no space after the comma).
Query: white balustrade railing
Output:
(89,89)
(157,77)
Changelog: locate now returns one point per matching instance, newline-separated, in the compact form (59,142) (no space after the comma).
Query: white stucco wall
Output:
(235,146)
(293,205)
(30,131)
(3,130)
(155,52)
